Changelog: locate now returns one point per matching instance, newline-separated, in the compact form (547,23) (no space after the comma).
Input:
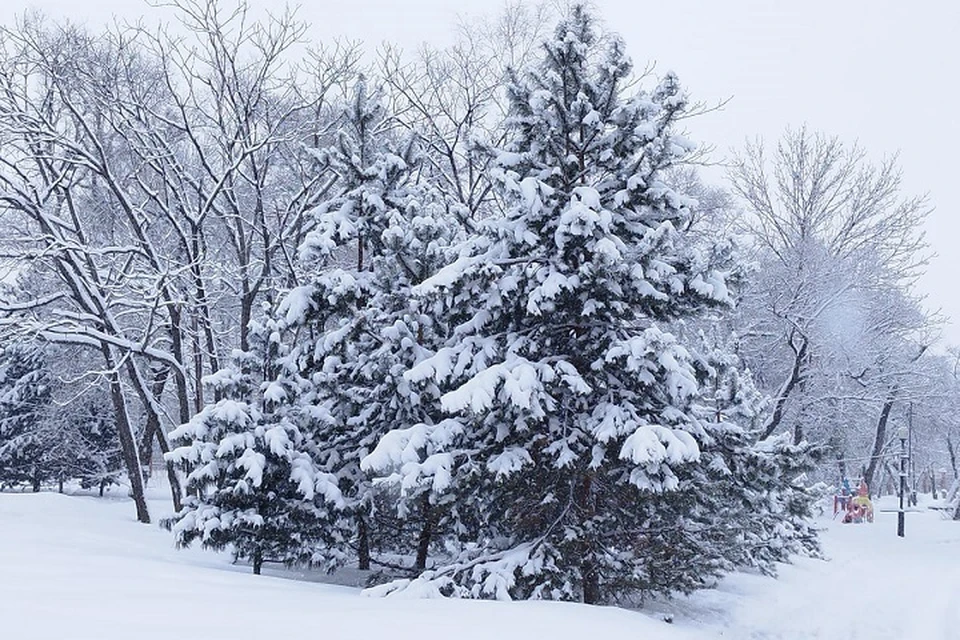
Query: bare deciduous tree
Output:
(828,322)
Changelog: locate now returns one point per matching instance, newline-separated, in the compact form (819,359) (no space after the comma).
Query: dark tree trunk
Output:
(197,368)
(591,582)
(35,482)
(363,544)
(103,485)
(257,562)
(180,378)
(60,483)
(879,440)
(153,420)
(247,300)
(585,502)
(128,446)
(795,377)
(426,533)
(149,398)
(953,458)
(203,306)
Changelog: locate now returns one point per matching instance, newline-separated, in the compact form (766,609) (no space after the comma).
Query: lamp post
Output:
(903,433)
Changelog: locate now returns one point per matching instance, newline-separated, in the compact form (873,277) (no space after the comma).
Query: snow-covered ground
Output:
(875,586)
(79,567)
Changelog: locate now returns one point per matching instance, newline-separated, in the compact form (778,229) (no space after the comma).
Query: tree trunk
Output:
(585,503)
(128,445)
(153,419)
(149,398)
(795,377)
(257,562)
(953,458)
(246,314)
(202,304)
(197,368)
(879,440)
(180,378)
(426,533)
(363,544)
(952,492)
(591,582)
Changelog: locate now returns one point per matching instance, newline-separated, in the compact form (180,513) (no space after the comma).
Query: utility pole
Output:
(903,434)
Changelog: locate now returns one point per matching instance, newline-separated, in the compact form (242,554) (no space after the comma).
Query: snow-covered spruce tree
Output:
(252,480)
(357,328)
(25,392)
(573,396)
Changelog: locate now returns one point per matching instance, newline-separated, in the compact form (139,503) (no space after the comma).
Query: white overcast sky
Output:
(882,72)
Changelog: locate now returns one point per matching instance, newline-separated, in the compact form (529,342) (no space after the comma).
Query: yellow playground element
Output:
(855,509)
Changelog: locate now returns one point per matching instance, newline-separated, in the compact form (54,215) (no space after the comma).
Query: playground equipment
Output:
(855,508)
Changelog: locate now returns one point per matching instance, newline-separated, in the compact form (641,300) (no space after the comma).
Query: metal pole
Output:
(903,483)
(911,463)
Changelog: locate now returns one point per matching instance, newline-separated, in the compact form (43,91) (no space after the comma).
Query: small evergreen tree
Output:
(25,392)
(253,483)
(572,398)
